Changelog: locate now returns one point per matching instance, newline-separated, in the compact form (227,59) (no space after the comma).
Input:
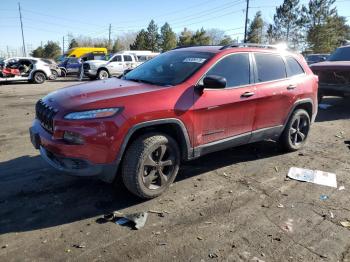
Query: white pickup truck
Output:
(117,64)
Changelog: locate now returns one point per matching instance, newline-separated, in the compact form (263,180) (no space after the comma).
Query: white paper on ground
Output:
(313,176)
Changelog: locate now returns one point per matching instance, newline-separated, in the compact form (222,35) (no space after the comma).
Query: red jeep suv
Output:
(178,106)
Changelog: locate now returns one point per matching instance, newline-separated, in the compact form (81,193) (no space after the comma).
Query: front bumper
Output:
(93,158)
(79,167)
(90,72)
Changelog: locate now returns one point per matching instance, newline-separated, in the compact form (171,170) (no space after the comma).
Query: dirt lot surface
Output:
(234,205)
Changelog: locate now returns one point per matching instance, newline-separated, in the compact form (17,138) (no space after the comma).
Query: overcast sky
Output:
(51,20)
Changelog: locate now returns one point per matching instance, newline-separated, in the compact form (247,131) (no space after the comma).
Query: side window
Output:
(117,58)
(293,67)
(127,58)
(269,67)
(235,68)
(73,60)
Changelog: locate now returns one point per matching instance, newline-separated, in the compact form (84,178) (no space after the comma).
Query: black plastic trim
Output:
(188,154)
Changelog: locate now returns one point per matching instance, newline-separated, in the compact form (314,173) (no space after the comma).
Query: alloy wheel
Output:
(299,130)
(158,167)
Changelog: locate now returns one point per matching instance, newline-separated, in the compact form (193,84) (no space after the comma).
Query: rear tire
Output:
(150,165)
(296,131)
(39,78)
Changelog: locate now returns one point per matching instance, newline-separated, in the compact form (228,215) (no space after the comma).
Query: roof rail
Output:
(249,45)
(186,46)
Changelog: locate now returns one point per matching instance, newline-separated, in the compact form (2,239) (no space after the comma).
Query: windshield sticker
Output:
(194,60)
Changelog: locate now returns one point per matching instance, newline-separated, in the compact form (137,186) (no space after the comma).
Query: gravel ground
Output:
(234,205)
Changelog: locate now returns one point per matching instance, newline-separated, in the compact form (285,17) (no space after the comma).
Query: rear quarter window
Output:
(293,67)
(269,67)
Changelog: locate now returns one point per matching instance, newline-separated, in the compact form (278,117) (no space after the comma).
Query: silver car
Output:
(29,69)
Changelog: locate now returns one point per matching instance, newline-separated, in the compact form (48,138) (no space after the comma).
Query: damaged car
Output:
(334,74)
(29,69)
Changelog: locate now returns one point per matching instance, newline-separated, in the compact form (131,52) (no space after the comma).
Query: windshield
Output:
(341,54)
(170,68)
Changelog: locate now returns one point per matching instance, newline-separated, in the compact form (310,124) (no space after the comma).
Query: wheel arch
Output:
(103,68)
(306,104)
(172,127)
(36,71)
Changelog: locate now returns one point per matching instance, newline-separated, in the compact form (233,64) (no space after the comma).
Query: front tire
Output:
(39,78)
(54,74)
(102,74)
(296,131)
(150,165)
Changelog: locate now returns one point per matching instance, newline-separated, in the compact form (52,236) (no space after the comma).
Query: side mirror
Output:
(214,82)
(323,58)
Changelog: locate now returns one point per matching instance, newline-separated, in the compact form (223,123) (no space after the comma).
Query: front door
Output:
(228,112)
(115,66)
(73,65)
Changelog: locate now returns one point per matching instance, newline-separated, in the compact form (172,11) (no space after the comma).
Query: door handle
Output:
(291,87)
(247,94)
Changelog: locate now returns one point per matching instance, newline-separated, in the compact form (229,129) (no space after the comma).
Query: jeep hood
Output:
(331,65)
(97,94)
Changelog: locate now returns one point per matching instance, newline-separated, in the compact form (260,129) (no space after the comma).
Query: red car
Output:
(334,74)
(176,107)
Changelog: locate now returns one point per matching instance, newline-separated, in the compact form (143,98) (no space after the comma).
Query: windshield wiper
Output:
(141,81)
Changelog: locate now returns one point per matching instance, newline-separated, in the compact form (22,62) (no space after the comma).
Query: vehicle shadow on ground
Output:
(339,109)
(34,196)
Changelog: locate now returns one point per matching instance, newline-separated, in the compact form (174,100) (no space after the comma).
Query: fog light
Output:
(73,138)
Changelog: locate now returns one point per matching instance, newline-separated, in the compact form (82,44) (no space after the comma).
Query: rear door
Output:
(276,91)
(128,62)
(228,112)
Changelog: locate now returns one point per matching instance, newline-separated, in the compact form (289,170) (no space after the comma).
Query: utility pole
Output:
(63,46)
(246,22)
(20,18)
(109,36)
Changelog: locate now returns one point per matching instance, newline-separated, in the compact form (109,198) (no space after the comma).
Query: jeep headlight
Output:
(93,66)
(93,114)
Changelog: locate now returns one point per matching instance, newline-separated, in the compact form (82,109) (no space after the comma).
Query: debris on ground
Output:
(276,168)
(199,238)
(345,224)
(213,255)
(138,219)
(68,250)
(79,246)
(113,215)
(280,205)
(324,106)
(331,214)
(5,246)
(341,188)
(323,197)
(313,176)
(159,213)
